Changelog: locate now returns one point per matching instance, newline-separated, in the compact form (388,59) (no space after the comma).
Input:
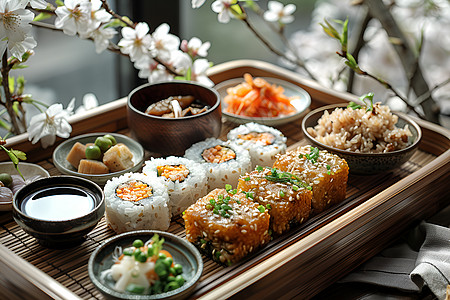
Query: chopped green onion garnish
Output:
(259,168)
(268,206)
(281,193)
(247,178)
(228,187)
(261,208)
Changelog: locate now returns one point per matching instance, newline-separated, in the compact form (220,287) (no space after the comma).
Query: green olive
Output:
(113,139)
(103,143)
(6,179)
(93,152)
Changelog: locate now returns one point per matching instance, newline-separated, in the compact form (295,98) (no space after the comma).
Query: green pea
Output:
(168,262)
(138,243)
(93,152)
(103,143)
(6,179)
(160,267)
(135,289)
(178,269)
(161,256)
(157,287)
(173,285)
(142,257)
(180,280)
(128,251)
(171,278)
(110,137)
(136,253)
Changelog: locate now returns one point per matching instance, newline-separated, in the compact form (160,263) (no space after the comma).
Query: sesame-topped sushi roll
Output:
(227,225)
(325,172)
(135,202)
(185,179)
(262,142)
(223,161)
(287,198)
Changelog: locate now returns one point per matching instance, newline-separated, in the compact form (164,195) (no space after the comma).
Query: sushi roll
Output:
(223,161)
(287,198)
(326,173)
(262,142)
(185,179)
(226,225)
(135,202)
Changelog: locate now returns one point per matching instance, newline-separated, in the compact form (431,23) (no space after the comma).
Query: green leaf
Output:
(369,103)
(352,61)
(19,154)
(12,83)
(115,23)
(19,66)
(12,156)
(353,105)
(332,31)
(5,125)
(59,2)
(15,107)
(344,37)
(20,85)
(42,16)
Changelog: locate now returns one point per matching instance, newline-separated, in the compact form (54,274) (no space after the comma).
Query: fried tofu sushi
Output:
(227,225)
(325,172)
(287,198)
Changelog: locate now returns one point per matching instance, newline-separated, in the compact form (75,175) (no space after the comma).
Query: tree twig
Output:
(8,103)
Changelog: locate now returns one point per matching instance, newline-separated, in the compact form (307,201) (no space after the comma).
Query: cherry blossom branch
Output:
(275,51)
(105,5)
(5,83)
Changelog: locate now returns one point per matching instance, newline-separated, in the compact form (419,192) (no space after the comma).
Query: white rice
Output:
(261,154)
(360,131)
(149,213)
(223,173)
(181,194)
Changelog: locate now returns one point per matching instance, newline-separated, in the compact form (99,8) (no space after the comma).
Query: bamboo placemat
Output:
(69,267)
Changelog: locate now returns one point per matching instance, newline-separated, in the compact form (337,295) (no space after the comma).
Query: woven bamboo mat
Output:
(69,267)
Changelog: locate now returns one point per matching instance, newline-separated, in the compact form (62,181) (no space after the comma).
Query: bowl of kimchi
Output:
(264,100)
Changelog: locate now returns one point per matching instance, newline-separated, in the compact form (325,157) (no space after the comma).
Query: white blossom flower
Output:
(38,4)
(89,102)
(74,17)
(195,47)
(163,42)
(279,13)
(102,36)
(223,8)
(180,61)
(15,28)
(152,70)
(197,3)
(136,42)
(49,124)
(198,72)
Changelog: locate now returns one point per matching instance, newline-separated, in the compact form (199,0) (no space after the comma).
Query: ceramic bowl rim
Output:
(194,251)
(146,85)
(23,215)
(401,115)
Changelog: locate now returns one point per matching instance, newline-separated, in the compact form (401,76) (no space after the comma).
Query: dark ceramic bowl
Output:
(367,163)
(168,136)
(59,211)
(183,253)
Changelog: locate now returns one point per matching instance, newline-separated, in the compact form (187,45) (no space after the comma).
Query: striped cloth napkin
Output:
(424,259)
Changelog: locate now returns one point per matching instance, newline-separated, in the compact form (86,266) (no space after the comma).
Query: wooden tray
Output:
(301,263)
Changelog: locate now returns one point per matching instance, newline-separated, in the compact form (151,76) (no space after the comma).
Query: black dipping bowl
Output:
(64,233)
(169,136)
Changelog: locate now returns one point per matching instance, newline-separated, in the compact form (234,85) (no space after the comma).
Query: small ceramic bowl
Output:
(183,253)
(61,151)
(29,171)
(366,163)
(59,211)
(172,136)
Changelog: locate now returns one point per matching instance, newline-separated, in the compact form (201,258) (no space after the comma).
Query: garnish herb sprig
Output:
(286,177)
(221,207)
(312,156)
(368,103)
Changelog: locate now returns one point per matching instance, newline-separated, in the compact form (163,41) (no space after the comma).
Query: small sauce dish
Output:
(59,211)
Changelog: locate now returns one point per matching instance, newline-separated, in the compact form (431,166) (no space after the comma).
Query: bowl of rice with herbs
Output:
(369,137)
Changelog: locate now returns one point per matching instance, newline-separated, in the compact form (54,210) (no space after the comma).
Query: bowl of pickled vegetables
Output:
(145,264)
(263,100)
